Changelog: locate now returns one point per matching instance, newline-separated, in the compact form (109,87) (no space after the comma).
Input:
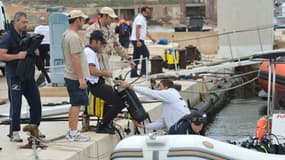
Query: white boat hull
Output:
(183,147)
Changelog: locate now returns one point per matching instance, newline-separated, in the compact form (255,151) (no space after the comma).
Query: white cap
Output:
(76,13)
(109,11)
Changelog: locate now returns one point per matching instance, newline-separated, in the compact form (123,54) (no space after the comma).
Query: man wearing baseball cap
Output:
(96,82)
(109,11)
(113,46)
(76,14)
(75,72)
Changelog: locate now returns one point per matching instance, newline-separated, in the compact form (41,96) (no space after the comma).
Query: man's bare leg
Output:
(73,117)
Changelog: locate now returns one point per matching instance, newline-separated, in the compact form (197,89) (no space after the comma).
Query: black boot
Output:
(111,126)
(102,128)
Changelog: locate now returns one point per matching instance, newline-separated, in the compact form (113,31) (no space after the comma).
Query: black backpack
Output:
(124,30)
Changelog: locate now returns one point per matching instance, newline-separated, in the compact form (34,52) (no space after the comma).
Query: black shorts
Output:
(78,97)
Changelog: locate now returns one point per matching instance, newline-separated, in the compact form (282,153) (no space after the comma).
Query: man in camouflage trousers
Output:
(113,46)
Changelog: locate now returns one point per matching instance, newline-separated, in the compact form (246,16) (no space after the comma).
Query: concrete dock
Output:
(100,145)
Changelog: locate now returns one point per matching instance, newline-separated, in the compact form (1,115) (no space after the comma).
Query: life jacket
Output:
(261,128)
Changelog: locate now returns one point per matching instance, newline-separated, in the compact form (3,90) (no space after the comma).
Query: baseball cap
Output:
(76,13)
(109,11)
(97,35)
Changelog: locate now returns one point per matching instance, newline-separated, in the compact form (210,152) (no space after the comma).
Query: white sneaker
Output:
(41,135)
(78,137)
(16,137)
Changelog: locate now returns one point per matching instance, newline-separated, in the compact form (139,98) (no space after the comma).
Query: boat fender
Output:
(261,128)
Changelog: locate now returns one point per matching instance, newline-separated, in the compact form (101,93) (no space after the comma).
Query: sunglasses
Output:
(197,120)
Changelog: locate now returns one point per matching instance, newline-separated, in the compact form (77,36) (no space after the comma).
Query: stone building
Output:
(164,11)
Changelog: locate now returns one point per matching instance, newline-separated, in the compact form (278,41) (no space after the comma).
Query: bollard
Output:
(182,58)
(156,64)
(192,53)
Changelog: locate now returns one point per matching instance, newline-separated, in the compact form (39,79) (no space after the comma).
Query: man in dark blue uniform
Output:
(11,52)
(193,123)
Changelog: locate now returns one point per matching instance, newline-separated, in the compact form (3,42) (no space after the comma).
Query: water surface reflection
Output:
(237,120)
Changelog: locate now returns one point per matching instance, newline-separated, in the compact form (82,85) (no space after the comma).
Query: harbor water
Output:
(237,120)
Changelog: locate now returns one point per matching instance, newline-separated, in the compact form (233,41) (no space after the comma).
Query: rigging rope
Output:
(226,89)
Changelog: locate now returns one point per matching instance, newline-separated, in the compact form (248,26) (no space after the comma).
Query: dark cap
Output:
(97,35)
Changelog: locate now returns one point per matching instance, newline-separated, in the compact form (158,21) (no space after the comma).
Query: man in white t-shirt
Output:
(96,82)
(43,29)
(139,32)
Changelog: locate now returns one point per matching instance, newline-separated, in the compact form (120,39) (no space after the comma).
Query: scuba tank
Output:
(132,103)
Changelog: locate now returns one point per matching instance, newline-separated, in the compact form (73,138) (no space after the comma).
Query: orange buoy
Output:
(261,127)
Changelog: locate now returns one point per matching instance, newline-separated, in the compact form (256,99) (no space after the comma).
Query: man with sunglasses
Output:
(193,123)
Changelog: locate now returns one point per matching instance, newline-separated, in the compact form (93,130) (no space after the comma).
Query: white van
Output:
(3,25)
